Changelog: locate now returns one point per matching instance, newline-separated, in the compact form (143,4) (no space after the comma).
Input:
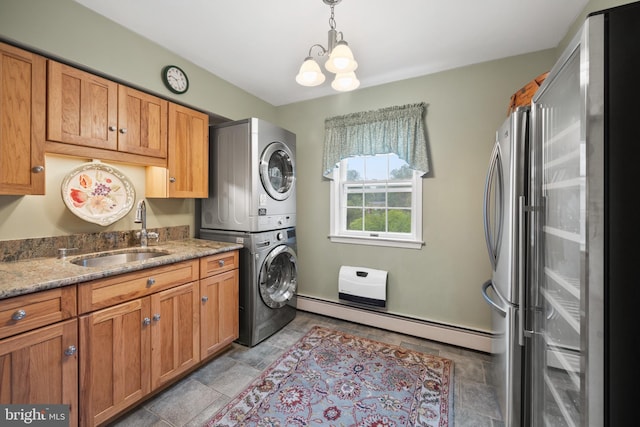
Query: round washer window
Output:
(277,171)
(278,277)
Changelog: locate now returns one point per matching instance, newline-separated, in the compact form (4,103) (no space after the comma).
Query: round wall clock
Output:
(175,79)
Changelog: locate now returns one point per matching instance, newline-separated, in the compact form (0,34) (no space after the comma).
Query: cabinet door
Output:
(115,359)
(175,332)
(22,115)
(142,123)
(82,108)
(219,312)
(188,157)
(41,367)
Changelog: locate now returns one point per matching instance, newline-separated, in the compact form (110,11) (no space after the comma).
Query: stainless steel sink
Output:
(110,258)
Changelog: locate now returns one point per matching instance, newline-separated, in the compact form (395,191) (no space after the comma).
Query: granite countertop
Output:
(38,274)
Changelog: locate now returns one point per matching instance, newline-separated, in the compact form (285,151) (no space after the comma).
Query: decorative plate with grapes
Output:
(98,193)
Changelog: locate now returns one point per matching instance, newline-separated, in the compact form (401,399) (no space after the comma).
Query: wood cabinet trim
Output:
(103,293)
(211,265)
(23,155)
(41,309)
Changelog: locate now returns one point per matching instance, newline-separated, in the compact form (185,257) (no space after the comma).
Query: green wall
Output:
(440,282)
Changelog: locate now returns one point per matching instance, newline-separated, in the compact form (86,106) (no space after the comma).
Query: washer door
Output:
(279,277)
(277,170)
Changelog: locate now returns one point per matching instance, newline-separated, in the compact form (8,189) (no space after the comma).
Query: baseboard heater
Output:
(362,285)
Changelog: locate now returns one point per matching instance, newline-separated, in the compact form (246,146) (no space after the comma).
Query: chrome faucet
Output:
(141,217)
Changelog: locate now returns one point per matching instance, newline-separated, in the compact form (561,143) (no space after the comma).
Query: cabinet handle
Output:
(70,351)
(205,299)
(123,130)
(112,128)
(221,263)
(172,179)
(37,169)
(151,281)
(146,321)
(156,317)
(19,315)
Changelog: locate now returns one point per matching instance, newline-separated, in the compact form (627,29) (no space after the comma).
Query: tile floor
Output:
(194,399)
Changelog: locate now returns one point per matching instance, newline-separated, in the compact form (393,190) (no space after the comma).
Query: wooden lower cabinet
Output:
(41,367)
(175,332)
(115,362)
(174,318)
(219,312)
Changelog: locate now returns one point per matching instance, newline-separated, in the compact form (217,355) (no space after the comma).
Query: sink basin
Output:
(110,259)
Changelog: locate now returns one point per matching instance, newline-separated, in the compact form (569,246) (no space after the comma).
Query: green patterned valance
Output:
(399,130)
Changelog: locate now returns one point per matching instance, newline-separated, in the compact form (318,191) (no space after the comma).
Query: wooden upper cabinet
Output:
(90,116)
(142,123)
(82,108)
(187,158)
(22,115)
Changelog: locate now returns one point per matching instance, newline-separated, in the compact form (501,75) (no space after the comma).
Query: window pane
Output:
(355,168)
(354,199)
(375,220)
(354,219)
(399,221)
(376,168)
(403,172)
(399,200)
(377,200)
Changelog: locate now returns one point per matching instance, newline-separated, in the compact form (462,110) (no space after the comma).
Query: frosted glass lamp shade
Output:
(341,59)
(345,82)
(310,73)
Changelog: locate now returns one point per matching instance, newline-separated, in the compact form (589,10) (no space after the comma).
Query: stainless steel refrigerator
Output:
(576,236)
(506,191)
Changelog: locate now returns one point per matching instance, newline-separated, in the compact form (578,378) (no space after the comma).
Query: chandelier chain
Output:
(332,20)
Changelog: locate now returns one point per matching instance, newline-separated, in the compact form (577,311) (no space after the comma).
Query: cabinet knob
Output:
(123,130)
(172,179)
(19,315)
(156,317)
(205,299)
(70,351)
(221,263)
(146,321)
(112,128)
(151,281)
(37,169)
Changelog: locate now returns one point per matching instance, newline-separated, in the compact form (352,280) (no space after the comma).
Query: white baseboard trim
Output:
(474,340)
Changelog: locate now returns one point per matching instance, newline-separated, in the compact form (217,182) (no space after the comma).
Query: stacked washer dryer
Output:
(252,201)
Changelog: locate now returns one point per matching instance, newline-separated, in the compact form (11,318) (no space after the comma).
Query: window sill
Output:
(377,241)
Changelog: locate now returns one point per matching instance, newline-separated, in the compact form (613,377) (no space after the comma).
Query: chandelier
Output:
(340,61)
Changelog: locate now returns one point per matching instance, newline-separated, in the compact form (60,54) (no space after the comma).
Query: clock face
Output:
(175,79)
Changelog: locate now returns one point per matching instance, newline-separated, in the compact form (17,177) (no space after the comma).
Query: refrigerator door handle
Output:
(489,284)
(521,269)
(494,166)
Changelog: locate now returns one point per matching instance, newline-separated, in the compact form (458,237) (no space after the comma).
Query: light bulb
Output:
(345,82)
(341,59)
(310,73)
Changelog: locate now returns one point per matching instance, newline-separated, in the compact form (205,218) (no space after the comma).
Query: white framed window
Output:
(376,200)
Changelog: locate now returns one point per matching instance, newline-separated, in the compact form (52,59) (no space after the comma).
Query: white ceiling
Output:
(259,45)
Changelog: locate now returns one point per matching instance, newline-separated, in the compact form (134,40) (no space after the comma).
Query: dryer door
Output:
(277,170)
(279,277)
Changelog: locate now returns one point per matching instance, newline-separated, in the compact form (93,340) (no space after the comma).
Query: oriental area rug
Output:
(329,378)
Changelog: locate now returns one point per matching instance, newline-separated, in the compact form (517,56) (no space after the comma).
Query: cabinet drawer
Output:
(218,263)
(27,312)
(106,292)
